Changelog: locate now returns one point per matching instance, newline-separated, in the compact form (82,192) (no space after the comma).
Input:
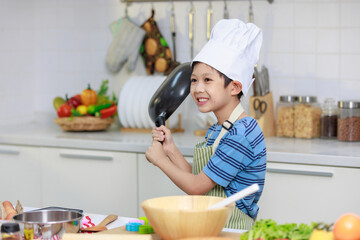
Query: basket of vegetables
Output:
(88,111)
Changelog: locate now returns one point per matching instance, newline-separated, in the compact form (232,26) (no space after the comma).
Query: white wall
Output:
(53,47)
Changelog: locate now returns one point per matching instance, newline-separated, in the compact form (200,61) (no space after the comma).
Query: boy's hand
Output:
(155,153)
(163,134)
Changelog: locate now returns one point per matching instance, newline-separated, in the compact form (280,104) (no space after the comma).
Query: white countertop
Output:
(287,150)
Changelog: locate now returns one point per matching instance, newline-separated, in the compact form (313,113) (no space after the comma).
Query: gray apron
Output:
(202,155)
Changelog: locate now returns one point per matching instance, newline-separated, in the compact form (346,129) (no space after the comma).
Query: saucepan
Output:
(48,224)
(171,93)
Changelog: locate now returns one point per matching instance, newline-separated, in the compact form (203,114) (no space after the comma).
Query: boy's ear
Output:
(236,87)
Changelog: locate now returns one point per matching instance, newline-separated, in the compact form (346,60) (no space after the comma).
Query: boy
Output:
(233,155)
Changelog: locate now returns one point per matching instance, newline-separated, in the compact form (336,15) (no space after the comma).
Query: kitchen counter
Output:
(285,150)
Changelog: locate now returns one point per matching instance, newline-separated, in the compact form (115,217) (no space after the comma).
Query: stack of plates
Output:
(134,100)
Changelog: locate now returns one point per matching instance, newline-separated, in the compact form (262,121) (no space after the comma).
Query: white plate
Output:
(122,104)
(157,82)
(139,91)
(151,92)
(143,109)
(130,97)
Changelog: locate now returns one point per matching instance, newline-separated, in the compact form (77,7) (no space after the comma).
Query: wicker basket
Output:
(78,124)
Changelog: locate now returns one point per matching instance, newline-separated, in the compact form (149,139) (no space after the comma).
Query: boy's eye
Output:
(207,79)
(193,80)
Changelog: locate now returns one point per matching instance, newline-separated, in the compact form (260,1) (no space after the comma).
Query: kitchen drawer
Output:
(100,182)
(20,174)
(306,193)
(153,182)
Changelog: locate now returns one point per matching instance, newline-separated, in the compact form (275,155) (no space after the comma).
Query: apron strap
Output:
(227,125)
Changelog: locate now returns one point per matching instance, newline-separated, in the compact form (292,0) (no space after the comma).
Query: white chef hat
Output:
(233,49)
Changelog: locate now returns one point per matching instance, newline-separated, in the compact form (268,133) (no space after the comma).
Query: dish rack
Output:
(178,128)
(78,124)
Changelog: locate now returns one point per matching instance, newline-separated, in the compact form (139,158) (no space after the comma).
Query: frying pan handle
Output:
(160,120)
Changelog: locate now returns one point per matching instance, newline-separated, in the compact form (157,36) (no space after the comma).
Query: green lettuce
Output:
(268,229)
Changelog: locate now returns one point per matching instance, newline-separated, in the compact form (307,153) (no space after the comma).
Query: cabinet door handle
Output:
(300,172)
(12,151)
(95,156)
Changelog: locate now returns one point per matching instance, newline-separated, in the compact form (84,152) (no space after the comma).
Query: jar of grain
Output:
(285,116)
(307,117)
(329,119)
(349,121)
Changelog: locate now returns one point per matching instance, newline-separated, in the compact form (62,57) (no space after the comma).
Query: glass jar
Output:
(10,231)
(349,121)
(285,116)
(307,117)
(329,119)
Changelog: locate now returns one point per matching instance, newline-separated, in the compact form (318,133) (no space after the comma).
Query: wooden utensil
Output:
(101,226)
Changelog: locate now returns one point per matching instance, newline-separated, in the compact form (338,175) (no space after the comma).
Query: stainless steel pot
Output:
(48,224)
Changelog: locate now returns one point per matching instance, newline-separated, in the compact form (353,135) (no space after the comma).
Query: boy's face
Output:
(208,89)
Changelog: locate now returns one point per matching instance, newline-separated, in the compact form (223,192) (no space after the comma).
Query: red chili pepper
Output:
(108,112)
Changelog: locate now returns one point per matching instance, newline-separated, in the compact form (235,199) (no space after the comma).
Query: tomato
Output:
(347,227)
(64,110)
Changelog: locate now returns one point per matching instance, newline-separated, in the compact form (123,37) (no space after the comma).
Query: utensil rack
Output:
(130,1)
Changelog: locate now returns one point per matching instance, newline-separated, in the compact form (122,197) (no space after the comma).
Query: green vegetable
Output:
(92,109)
(269,230)
(75,113)
(103,98)
(103,88)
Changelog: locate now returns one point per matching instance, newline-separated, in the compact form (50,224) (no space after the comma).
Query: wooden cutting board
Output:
(120,233)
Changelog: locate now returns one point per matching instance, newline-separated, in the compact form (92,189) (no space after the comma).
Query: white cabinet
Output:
(20,174)
(100,182)
(306,193)
(153,182)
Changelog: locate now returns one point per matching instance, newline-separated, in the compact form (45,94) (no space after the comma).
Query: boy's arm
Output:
(178,159)
(188,182)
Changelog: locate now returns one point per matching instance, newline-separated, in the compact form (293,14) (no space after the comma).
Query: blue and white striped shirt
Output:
(239,161)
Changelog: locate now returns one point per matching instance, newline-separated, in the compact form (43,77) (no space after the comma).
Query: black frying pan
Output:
(171,93)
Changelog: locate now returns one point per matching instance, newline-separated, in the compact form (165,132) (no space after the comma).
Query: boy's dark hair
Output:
(227,80)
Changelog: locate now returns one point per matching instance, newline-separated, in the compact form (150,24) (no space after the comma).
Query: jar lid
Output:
(307,99)
(348,104)
(10,227)
(289,98)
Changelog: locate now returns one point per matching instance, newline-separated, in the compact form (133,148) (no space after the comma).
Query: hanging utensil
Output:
(208,20)
(226,12)
(251,13)
(174,63)
(172,26)
(191,30)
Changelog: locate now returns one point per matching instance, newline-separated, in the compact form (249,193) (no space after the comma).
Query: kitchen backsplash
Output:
(51,47)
